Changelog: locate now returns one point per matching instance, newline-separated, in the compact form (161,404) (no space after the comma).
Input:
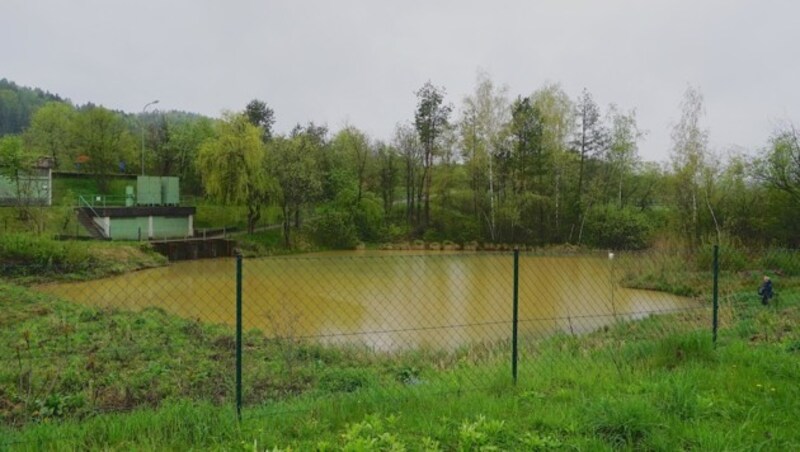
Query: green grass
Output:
(655,384)
(29,258)
(67,189)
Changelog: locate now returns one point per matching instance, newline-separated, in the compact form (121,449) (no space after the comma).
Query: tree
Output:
(780,169)
(590,140)
(157,138)
(233,166)
(14,162)
(50,132)
(483,127)
(16,165)
(352,149)
(526,138)
(101,141)
(555,113)
(295,168)
(407,143)
(621,156)
(262,116)
(185,135)
(388,171)
(688,161)
(17,105)
(430,121)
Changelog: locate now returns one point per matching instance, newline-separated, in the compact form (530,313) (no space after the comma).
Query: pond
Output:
(387,300)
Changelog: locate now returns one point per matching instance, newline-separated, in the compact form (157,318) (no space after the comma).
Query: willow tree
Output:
(233,166)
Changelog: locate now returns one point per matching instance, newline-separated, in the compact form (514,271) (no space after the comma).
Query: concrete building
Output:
(152,213)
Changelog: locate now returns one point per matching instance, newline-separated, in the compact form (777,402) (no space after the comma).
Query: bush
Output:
(448,224)
(608,226)
(334,229)
(731,256)
(368,218)
(786,262)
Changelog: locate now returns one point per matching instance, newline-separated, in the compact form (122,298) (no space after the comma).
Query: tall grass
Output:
(31,253)
(29,258)
(736,397)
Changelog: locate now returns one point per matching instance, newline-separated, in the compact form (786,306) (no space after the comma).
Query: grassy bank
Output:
(167,383)
(27,258)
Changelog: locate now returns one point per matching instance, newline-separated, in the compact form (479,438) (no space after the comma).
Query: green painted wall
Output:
(128,228)
(170,191)
(148,191)
(170,227)
(163,227)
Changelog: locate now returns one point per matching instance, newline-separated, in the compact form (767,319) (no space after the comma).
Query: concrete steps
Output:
(85,218)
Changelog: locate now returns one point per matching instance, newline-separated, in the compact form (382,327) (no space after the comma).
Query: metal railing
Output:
(82,202)
(99,200)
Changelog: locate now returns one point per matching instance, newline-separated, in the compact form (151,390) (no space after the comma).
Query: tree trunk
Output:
(491,199)
(253,215)
(287,221)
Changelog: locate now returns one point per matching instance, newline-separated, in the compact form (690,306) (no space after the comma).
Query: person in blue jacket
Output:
(765,290)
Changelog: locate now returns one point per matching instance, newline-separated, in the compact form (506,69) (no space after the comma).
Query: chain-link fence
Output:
(263,331)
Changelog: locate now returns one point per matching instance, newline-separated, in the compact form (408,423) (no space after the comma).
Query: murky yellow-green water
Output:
(385,300)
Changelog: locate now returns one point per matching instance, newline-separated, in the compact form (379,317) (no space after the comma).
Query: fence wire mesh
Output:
(328,325)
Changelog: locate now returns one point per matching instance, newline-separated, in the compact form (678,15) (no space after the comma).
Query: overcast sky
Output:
(359,62)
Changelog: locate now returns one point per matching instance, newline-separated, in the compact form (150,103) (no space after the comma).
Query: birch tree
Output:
(485,117)
(688,156)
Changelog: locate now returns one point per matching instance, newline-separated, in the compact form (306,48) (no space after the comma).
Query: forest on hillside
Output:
(536,169)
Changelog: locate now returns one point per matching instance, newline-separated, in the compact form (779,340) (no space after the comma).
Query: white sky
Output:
(359,62)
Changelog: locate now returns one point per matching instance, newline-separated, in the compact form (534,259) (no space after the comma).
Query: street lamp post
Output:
(142,127)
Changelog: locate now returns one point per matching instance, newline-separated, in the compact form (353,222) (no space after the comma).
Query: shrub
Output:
(731,256)
(448,224)
(334,229)
(608,226)
(368,219)
(786,262)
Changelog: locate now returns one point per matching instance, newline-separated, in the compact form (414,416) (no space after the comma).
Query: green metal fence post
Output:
(715,295)
(515,322)
(239,336)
